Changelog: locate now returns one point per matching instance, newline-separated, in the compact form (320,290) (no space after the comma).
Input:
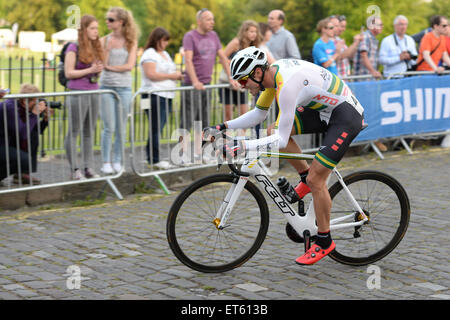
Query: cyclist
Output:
(311,100)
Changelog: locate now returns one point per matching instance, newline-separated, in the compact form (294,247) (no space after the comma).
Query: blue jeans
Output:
(159,108)
(114,116)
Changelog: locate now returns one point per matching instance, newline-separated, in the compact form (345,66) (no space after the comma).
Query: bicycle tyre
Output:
(357,249)
(179,218)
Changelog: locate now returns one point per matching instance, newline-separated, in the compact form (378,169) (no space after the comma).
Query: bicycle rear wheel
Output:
(198,243)
(385,202)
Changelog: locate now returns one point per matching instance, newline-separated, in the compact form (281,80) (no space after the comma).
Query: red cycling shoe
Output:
(314,254)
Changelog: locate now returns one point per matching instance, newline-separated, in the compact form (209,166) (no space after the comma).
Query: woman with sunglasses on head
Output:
(83,64)
(120,51)
(248,35)
(325,52)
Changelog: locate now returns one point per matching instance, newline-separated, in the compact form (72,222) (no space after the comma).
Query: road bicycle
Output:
(220,221)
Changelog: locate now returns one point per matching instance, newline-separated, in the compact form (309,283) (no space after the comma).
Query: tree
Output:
(36,15)
(440,7)
(50,16)
(302,16)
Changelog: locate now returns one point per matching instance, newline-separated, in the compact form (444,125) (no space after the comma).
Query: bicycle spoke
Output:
(200,240)
(377,196)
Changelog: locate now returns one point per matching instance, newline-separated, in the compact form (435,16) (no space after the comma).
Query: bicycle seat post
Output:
(301,208)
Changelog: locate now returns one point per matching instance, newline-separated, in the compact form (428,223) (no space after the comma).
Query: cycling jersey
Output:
(302,86)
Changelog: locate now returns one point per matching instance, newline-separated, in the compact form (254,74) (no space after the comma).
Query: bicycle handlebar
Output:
(234,168)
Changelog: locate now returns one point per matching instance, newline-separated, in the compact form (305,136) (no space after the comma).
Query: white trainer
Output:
(107,169)
(77,175)
(164,165)
(117,166)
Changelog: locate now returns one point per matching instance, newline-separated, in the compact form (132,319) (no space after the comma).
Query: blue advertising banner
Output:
(405,106)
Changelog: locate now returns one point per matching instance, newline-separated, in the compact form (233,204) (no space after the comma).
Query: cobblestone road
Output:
(121,251)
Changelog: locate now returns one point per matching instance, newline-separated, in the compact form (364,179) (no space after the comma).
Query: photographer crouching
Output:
(19,120)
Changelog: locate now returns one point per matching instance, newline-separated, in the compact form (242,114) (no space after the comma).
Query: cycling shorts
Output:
(344,125)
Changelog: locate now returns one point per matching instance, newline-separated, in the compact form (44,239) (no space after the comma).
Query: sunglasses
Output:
(243,81)
(110,20)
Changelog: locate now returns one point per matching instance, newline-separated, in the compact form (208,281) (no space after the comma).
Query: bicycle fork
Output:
(228,202)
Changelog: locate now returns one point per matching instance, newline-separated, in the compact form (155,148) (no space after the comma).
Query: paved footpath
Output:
(120,250)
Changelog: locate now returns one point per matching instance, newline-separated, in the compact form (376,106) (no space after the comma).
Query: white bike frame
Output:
(301,224)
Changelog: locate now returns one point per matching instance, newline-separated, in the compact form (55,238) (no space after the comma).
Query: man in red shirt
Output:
(448,42)
(433,47)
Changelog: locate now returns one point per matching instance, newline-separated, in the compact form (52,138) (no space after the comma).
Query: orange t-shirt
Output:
(429,43)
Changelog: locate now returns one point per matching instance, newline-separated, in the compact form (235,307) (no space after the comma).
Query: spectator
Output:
(266,34)
(248,36)
(448,45)
(158,71)
(448,39)
(433,47)
(445,143)
(120,57)
(418,36)
(20,117)
(347,53)
(366,59)
(201,46)
(84,62)
(324,51)
(282,44)
(398,50)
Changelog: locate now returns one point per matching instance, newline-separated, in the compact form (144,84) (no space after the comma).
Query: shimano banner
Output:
(406,106)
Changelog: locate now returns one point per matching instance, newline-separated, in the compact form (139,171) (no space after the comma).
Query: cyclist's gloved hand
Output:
(213,132)
(232,148)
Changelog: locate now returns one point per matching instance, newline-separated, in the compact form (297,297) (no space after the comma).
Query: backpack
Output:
(61,74)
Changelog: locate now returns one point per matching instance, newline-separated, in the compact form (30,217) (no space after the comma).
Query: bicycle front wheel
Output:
(385,202)
(194,237)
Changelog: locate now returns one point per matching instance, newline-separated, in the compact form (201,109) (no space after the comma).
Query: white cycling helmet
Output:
(245,60)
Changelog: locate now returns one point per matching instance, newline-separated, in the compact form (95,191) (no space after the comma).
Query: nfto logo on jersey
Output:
(326,99)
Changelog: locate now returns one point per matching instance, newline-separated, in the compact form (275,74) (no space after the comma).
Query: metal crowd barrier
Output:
(41,153)
(181,122)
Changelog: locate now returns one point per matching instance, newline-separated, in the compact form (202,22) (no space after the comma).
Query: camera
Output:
(413,57)
(93,79)
(52,104)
